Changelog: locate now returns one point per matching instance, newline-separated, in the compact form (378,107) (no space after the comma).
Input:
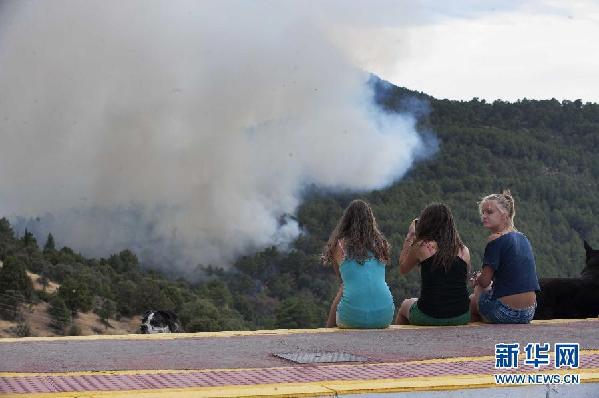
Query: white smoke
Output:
(183,126)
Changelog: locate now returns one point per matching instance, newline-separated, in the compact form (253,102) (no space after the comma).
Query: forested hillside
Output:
(544,151)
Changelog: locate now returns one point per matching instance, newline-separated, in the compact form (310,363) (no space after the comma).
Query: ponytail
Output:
(510,206)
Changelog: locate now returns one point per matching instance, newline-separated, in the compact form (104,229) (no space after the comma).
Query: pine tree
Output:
(7,238)
(49,246)
(13,276)
(60,314)
(29,240)
(76,295)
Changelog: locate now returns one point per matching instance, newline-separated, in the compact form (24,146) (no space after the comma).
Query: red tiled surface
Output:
(215,378)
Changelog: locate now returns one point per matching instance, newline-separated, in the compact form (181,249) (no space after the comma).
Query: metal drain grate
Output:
(320,357)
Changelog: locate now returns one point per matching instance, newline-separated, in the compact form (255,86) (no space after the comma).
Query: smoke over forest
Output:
(184,129)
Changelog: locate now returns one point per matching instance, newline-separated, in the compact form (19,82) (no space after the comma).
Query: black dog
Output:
(159,322)
(569,298)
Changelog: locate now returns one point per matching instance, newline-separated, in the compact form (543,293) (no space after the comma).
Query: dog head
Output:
(159,322)
(591,270)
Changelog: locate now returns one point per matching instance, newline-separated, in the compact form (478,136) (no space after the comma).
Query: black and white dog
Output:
(570,298)
(160,322)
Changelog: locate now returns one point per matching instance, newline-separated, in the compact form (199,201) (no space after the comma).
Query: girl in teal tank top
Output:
(358,252)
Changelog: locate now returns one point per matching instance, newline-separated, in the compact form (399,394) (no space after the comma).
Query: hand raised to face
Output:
(412,229)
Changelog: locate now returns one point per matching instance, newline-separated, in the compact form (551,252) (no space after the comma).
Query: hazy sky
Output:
(499,50)
(192,128)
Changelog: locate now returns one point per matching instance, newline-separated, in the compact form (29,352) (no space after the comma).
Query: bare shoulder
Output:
(426,249)
(464,254)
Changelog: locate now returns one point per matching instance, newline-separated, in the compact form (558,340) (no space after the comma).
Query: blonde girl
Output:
(505,289)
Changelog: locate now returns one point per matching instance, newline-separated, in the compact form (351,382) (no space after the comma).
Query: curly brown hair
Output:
(436,224)
(359,230)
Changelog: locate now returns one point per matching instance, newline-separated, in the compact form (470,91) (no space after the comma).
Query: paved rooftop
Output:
(401,358)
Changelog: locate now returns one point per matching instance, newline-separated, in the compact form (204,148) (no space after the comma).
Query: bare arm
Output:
(485,277)
(465,255)
(408,257)
(411,251)
(338,257)
(332,319)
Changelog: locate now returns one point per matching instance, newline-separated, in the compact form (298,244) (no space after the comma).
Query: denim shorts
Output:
(494,311)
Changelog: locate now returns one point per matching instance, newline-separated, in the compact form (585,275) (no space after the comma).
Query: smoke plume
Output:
(182,126)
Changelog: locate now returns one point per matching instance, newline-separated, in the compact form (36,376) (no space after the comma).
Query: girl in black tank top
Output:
(444,294)
(433,242)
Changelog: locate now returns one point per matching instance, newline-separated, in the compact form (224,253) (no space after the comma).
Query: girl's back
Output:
(359,251)
(366,301)
(444,293)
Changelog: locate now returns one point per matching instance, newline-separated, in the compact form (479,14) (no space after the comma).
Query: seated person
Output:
(505,290)
(434,243)
(359,252)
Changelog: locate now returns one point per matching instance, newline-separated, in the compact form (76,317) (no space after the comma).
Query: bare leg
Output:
(332,320)
(403,315)
(474,314)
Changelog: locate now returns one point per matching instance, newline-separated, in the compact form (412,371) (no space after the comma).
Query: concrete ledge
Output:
(275,332)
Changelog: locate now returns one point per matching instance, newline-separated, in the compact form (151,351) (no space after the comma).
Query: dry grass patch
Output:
(51,288)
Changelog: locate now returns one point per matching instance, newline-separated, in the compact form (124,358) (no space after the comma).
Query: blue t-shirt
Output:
(512,259)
